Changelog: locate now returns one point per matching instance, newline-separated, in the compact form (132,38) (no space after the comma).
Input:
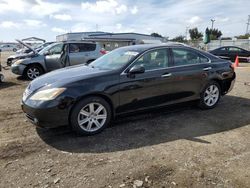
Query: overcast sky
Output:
(46,19)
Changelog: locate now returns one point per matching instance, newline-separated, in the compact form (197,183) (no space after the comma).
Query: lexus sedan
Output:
(231,52)
(128,79)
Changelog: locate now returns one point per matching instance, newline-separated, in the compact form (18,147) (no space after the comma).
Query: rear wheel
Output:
(9,61)
(90,61)
(33,72)
(210,96)
(90,116)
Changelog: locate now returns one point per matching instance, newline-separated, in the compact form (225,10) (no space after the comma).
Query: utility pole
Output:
(187,32)
(248,23)
(212,20)
(97,27)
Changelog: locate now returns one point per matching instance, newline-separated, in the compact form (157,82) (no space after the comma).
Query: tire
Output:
(9,62)
(210,95)
(90,61)
(90,116)
(1,78)
(33,71)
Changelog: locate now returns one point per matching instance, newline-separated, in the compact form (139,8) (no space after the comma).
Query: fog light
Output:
(35,120)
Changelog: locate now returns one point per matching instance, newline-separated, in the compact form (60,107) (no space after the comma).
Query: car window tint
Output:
(222,49)
(156,59)
(233,49)
(187,57)
(81,47)
(57,49)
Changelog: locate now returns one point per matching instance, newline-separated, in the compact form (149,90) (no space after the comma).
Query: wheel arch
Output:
(34,64)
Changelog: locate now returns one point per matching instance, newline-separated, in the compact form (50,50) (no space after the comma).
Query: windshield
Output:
(47,48)
(115,59)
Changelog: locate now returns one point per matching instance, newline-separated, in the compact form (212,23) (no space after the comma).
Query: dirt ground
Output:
(181,146)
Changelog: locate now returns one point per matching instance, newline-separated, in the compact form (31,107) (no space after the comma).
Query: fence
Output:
(242,43)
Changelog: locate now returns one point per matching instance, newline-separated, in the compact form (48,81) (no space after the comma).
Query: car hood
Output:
(21,56)
(62,77)
(26,45)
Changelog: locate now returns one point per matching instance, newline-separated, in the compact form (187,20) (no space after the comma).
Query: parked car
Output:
(125,80)
(55,56)
(32,52)
(1,75)
(8,47)
(230,53)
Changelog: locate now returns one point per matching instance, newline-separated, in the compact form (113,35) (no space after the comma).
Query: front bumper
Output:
(47,115)
(18,69)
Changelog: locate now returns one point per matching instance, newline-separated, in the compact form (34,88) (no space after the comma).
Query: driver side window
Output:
(57,49)
(154,60)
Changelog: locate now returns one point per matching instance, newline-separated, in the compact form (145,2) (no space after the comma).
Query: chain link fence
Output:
(242,43)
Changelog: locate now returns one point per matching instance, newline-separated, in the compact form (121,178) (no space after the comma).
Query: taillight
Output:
(103,52)
(232,66)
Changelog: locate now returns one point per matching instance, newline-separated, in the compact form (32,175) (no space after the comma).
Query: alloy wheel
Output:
(33,73)
(92,117)
(211,95)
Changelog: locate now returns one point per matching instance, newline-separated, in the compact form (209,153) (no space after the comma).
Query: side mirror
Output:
(47,53)
(137,69)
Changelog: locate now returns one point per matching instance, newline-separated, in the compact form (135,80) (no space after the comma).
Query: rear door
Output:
(189,73)
(81,53)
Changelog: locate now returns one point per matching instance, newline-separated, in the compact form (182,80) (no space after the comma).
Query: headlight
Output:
(48,94)
(18,62)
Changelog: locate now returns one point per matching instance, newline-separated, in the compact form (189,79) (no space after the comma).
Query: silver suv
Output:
(56,56)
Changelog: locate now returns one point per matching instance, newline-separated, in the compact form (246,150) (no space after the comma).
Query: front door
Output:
(52,57)
(151,88)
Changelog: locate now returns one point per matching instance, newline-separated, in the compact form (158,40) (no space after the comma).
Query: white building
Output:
(111,41)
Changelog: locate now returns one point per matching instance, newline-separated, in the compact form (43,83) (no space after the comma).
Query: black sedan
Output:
(125,80)
(231,52)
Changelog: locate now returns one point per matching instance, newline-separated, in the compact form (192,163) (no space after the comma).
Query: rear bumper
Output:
(229,84)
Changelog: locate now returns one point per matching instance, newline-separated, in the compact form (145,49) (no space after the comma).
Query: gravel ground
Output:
(180,146)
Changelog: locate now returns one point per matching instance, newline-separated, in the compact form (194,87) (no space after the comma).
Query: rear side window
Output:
(187,57)
(233,49)
(81,47)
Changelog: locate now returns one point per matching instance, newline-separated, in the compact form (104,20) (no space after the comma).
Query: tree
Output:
(215,34)
(246,36)
(207,36)
(195,34)
(179,38)
(155,35)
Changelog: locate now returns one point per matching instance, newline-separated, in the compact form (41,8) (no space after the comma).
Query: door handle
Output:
(207,68)
(166,75)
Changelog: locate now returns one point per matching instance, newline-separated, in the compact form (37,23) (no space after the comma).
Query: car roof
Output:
(77,41)
(143,47)
(230,47)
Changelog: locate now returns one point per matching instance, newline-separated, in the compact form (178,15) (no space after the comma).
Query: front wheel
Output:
(1,78)
(90,116)
(210,95)
(33,72)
